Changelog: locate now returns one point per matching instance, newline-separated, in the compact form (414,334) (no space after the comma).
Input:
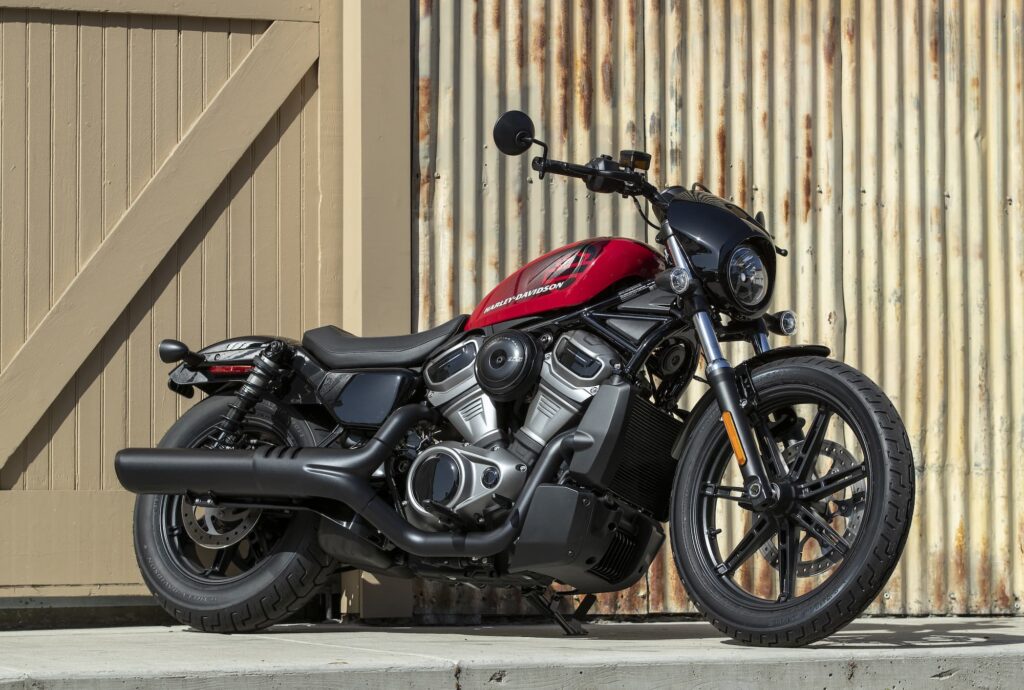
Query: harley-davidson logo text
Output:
(524,295)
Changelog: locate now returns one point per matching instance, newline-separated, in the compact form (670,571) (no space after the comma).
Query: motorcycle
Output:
(539,442)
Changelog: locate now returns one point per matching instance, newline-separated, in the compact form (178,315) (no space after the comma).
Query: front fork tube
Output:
(722,379)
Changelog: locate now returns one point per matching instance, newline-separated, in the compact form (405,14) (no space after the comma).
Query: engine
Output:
(474,384)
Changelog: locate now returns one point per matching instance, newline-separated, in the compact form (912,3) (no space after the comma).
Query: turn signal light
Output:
(781,322)
(677,279)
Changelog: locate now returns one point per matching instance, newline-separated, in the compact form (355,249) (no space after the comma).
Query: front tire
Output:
(261,584)
(757,586)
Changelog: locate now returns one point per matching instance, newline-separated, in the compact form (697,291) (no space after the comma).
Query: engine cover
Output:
(577,364)
(454,484)
(452,388)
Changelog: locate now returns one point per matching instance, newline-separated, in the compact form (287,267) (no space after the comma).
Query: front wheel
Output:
(804,568)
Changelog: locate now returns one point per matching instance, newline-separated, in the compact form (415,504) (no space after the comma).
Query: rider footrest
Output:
(572,625)
(443,513)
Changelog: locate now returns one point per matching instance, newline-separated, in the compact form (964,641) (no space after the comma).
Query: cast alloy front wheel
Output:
(802,568)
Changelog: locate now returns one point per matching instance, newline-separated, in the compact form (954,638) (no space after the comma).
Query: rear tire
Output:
(855,580)
(274,588)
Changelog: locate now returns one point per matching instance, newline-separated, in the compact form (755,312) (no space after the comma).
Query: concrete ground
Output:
(870,653)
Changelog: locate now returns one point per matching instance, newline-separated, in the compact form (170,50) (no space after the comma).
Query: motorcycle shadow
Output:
(640,631)
(866,633)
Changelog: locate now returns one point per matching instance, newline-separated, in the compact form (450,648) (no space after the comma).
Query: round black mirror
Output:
(513,132)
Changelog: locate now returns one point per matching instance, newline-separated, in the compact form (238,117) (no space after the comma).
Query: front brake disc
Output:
(851,508)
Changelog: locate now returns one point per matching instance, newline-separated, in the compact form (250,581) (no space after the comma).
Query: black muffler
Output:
(329,473)
(266,471)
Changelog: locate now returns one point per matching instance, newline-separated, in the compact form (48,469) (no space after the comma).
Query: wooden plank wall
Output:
(90,107)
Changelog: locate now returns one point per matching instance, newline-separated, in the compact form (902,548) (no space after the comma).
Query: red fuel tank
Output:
(567,277)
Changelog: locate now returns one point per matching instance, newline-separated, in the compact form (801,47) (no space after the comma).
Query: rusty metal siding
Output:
(882,140)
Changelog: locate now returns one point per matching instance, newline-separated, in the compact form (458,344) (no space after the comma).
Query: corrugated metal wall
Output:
(884,142)
(92,105)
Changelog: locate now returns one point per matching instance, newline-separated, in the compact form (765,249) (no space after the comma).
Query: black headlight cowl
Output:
(712,231)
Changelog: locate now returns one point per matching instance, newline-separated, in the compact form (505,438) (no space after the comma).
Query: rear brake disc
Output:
(220,527)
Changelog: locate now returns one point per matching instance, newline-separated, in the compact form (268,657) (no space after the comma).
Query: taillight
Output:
(229,369)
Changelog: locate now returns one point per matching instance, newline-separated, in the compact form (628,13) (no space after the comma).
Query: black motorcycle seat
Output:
(338,349)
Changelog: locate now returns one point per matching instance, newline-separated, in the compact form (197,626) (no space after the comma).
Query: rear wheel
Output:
(803,569)
(230,569)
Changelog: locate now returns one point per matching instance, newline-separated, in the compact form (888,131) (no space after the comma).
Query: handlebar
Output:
(546,165)
(611,181)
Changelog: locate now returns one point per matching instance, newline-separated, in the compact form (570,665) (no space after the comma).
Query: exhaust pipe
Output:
(266,471)
(337,475)
(418,542)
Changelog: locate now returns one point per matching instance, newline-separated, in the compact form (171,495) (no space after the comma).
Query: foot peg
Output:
(446,515)
(573,624)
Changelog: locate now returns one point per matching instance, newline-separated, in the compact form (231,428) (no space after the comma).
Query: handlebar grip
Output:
(544,165)
(599,179)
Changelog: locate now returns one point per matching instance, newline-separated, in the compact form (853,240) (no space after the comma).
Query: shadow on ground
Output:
(924,633)
(865,633)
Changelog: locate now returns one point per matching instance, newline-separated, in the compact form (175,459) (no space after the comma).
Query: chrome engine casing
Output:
(460,477)
(455,392)
(486,485)
(565,386)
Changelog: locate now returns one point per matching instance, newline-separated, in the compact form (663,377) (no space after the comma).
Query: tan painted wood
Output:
(240,210)
(290,10)
(13,212)
(38,298)
(88,380)
(83,590)
(190,284)
(60,421)
(141,239)
(215,246)
(312,235)
(63,444)
(167,130)
(332,165)
(13,185)
(264,232)
(376,262)
(50,538)
(141,87)
(289,196)
(36,448)
(114,349)
(142,46)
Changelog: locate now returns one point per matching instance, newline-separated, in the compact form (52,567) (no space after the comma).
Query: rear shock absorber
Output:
(265,369)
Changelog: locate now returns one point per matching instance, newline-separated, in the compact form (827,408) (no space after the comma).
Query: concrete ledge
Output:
(873,652)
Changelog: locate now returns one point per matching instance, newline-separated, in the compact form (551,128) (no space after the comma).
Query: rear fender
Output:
(354,398)
(743,371)
(233,352)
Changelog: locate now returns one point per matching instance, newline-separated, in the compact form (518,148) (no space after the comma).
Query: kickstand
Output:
(572,625)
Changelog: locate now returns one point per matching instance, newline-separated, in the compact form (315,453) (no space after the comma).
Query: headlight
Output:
(748,278)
